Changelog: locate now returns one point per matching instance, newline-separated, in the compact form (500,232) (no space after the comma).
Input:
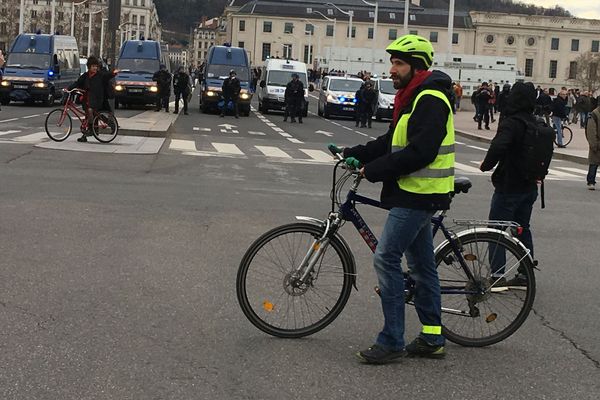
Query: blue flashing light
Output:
(354,100)
(342,98)
(50,73)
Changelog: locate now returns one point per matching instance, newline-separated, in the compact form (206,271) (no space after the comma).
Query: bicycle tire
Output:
(493,306)
(105,127)
(262,311)
(64,125)
(567,136)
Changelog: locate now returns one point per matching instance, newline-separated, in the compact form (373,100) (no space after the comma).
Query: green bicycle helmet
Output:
(414,49)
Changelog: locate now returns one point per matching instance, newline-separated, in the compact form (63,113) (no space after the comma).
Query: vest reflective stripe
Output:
(432,330)
(437,177)
(443,149)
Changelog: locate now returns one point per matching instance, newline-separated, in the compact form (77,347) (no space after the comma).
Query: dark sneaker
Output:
(82,139)
(518,280)
(498,281)
(420,348)
(379,355)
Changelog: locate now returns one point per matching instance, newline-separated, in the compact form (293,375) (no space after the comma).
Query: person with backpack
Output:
(521,152)
(592,134)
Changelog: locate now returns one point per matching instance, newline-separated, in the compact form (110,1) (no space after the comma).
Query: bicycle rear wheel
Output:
(105,127)
(272,297)
(496,305)
(567,135)
(58,125)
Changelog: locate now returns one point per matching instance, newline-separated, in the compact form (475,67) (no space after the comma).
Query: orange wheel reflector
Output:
(316,246)
(470,257)
(491,318)
(268,306)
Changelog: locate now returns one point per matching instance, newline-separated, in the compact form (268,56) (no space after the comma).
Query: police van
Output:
(38,68)
(274,77)
(138,61)
(385,98)
(219,62)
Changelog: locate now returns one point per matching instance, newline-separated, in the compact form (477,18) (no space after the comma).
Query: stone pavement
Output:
(577,151)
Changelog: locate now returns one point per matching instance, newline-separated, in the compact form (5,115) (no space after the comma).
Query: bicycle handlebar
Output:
(74,90)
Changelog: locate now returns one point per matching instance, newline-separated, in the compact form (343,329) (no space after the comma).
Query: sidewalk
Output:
(149,123)
(577,151)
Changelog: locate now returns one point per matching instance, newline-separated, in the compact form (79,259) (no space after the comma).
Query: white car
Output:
(385,99)
(337,96)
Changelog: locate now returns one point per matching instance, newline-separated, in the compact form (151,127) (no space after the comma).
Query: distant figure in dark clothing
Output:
(366,102)
(231,92)
(163,81)
(294,99)
(502,99)
(483,106)
(182,88)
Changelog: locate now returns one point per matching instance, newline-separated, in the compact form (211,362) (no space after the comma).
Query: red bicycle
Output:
(59,123)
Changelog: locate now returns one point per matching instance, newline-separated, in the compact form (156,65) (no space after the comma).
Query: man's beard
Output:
(403,82)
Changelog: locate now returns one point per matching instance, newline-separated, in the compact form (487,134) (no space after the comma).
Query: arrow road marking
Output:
(227,126)
(330,134)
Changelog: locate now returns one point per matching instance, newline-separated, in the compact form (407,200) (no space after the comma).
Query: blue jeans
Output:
(557,121)
(407,232)
(591,176)
(583,118)
(515,207)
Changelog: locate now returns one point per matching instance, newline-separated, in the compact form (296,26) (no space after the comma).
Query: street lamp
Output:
(121,33)
(334,20)
(73,4)
(376,5)
(21,16)
(89,44)
(350,14)
(102,36)
(406,11)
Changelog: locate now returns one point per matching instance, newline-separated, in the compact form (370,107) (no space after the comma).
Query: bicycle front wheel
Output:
(270,293)
(492,304)
(105,127)
(58,125)
(567,135)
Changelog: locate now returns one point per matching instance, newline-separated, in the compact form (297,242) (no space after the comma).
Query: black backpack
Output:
(538,148)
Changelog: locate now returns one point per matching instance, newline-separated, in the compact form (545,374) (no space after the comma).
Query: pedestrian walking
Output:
(182,89)
(163,82)
(368,98)
(559,112)
(584,107)
(483,106)
(415,162)
(294,99)
(458,92)
(231,92)
(502,100)
(592,134)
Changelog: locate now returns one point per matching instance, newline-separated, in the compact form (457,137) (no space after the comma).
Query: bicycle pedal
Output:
(377,290)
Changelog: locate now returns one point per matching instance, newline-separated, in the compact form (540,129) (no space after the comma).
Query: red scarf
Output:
(405,95)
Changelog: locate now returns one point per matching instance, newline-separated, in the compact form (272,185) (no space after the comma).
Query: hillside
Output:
(181,15)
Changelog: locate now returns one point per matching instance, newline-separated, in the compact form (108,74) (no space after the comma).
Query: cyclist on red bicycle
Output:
(96,83)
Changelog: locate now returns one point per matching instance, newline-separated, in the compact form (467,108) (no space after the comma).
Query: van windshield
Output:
(138,65)
(387,87)
(344,85)
(222,71)
(28,60)
(281,78)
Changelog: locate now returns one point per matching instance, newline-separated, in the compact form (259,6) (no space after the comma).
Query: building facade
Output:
(138,18)
(206,34)
(546,48)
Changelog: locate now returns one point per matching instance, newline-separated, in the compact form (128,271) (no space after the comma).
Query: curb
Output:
(559,155)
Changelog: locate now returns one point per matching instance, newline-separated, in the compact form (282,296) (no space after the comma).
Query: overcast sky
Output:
(579,8)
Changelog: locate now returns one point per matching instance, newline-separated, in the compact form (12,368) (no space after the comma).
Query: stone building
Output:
(204,35)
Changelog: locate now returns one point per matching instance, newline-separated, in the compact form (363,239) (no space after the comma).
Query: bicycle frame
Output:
(78,112)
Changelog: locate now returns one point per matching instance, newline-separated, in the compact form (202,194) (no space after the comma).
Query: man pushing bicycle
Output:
(415,162)
(96,83)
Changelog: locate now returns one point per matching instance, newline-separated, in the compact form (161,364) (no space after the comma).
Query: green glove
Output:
(353,162)
(334,149)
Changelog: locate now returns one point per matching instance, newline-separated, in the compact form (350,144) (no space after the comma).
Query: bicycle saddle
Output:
(462,184)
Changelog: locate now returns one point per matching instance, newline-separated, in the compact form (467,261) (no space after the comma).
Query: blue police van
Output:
(38,67)
(219,62)
(138,61)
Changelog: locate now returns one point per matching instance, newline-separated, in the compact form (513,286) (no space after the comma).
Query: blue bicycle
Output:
(295,280)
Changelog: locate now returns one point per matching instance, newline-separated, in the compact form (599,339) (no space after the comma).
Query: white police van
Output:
(274,76)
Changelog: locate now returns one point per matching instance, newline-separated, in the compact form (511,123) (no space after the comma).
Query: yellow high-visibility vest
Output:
(437,177)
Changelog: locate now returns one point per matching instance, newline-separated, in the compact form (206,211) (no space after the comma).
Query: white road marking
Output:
(227,148)
(294,140)
(466,168)
(317,155)
(196,128)
(476,148)
(347,128)
(9,120)
(271,151)
(285,134)
(182,145)
(8,132)
(560,174)
(361,134)
(256,133)
(31,116)
(33,138)
(574,170)
(329,134)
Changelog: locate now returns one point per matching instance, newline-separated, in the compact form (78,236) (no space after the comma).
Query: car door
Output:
(323,93)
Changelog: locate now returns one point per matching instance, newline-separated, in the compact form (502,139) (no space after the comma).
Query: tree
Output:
(588,73)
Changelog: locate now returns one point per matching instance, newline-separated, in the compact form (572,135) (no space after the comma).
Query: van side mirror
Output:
(324,88)
(311,88)
(262,84)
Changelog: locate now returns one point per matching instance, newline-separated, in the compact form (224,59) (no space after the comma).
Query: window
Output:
(266,51)
(529,67)
(308,60)
(33,13)
(267,27)
(329,30)
(412,17)
(433,37)
(309,10)
(61,15)
(370,33)
(575,45)
(287,51)
(573,70)
(329,11)
(489,39)
(3,28)
(242,25)
(455,38)
(392,15)
(288,27)
(371,14)
(392,34)
(595,46)
(353,32)
(414,32)
(241,44)
(142,20)
(553,68)
(554,44)
(309,29)
(510,40)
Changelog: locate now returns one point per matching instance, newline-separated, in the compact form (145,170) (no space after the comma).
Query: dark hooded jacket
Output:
(426,131)
(507,147)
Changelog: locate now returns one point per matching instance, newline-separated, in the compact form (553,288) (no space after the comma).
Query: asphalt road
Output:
(117,275)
